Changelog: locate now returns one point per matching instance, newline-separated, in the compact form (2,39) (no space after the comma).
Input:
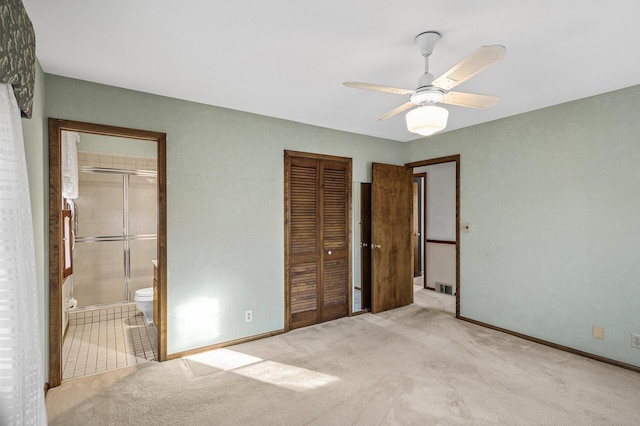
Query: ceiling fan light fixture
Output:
(427,120)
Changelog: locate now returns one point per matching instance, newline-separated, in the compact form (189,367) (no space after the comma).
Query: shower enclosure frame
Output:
(126,236)
(55,222)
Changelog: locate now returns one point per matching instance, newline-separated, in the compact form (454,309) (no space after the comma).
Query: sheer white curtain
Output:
(21,379)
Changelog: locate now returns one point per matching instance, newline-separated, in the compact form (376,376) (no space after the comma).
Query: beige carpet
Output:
(413,365)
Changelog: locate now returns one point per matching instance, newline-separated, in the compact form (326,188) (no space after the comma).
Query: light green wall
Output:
(552,197)
(225,201)
(35,146)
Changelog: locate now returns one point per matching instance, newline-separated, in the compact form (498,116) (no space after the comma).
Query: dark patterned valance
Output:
(17,52)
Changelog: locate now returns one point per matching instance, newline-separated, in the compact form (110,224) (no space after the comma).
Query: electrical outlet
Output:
(635,340)
(248,316)
(598,332)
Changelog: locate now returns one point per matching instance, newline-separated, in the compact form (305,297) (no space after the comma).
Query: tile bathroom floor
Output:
(106,339)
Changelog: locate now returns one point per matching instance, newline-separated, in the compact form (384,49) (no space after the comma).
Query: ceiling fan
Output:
(429,118)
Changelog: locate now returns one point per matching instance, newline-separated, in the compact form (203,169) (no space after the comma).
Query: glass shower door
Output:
(143,225)
(98,276)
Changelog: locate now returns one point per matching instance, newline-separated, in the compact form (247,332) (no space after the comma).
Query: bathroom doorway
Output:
(113,243)
(113,250)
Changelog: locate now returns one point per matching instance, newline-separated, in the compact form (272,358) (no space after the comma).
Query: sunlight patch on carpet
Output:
(286,376)
(271,372)
(224,359)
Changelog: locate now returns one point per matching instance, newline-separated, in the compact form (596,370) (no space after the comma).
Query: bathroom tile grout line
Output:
(100,346)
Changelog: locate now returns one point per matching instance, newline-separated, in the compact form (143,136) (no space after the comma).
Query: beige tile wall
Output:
(127,162)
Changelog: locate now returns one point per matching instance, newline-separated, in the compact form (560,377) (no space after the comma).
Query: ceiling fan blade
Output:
(397,111)
(470,66)
(378,88)
(470,100)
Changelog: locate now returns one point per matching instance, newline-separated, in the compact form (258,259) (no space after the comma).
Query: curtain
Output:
(21,378)
(18,53)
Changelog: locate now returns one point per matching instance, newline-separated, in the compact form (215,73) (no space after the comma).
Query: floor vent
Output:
(444,288)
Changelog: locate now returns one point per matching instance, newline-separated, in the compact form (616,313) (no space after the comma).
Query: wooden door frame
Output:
(440,160)
(423,236)
(288,154)
(56,126)
(415,226)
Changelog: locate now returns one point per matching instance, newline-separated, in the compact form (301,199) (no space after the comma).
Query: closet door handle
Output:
(329,252)
(375,246)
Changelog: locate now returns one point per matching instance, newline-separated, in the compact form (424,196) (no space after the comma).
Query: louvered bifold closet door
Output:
(335,234)
(304,241)
(318,239)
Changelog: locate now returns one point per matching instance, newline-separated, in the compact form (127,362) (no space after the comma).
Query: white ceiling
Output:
(288,58)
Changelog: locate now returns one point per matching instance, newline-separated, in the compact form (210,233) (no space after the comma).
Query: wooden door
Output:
(365,245)
(317,238)
(335,255)
(391,226)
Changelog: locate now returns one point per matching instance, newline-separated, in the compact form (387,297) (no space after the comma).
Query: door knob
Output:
(375,246)
(364,245)
(329,252)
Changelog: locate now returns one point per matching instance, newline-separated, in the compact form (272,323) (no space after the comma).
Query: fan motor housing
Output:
(429,95)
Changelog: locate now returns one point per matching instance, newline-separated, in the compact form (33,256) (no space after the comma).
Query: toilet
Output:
(144,302)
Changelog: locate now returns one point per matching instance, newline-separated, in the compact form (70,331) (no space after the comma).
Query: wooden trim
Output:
(55,254)
(350,237)
(106,130)
(287,240)
(457,235)
(424,228)
(161,327)
(56,126)
(224,344)
(440,160)
(554,345)
(423,175)
(441,242)
(300,154)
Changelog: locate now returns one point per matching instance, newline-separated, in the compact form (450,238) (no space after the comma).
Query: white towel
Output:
(70,164)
